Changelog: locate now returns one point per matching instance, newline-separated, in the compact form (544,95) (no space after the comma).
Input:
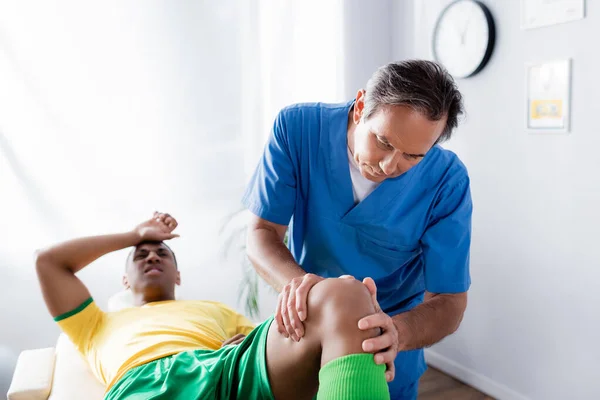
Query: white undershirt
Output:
(361,186)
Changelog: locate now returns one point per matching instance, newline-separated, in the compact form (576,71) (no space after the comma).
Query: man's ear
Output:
(125,282)
(359,106)
(178,279)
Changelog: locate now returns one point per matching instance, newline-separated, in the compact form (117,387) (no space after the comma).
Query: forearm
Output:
(75,254)
(271,258)
(428,323)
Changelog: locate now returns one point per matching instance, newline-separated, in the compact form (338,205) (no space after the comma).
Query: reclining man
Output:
(173,349)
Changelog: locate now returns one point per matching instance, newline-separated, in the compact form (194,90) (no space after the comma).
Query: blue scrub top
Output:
(411,234)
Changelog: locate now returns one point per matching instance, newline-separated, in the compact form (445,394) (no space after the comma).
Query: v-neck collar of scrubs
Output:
(376,202)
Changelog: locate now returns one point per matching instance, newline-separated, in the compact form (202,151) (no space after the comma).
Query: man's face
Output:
(392,141)
(151,269)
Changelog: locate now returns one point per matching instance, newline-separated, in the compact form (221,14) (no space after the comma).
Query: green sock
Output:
(353,377)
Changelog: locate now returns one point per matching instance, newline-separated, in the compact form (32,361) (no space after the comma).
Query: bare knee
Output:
(334,308)
(340,301)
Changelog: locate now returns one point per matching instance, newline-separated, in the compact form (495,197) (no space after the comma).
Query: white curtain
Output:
(293,51)
(108,111)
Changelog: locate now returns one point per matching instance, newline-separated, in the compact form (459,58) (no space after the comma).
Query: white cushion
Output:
(32,379)
(73,379)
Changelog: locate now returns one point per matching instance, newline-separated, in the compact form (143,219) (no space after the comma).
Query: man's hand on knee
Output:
(292,308)
(386,346)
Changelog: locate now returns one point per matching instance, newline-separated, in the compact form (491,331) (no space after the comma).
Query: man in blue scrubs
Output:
(367,191)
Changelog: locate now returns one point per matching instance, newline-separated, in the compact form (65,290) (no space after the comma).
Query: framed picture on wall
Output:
(538,13)
(549,96)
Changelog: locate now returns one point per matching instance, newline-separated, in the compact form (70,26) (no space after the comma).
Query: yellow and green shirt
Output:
(114,342)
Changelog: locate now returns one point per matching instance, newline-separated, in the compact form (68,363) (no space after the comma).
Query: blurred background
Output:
(111,110)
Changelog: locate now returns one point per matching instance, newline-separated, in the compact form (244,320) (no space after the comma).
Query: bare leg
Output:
(331,331)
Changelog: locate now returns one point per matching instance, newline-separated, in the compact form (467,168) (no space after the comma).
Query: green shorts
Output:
(232,372)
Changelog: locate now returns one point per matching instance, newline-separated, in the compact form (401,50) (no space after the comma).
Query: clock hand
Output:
(464,31)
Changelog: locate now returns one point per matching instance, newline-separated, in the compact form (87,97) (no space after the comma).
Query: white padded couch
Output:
(59,373)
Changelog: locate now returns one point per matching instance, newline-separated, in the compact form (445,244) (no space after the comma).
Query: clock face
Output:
(464,38)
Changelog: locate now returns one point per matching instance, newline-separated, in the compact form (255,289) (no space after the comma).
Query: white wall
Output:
(367,37)
(532,323)
(109,111)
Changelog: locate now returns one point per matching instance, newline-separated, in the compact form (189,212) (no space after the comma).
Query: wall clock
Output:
(464,36)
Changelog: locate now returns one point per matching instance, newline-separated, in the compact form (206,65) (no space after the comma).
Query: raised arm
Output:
(56,266)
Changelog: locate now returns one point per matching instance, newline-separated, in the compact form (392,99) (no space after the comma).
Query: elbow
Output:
(44,259)
(255,230)
(41,260)
(460,307)
(263,238)
(457,324)
(251,244)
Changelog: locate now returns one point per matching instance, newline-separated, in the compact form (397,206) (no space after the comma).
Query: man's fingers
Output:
(170,222)
(287,326)
(294,328)
(378,343)
(302,298)
(173,236)
(385,357)
(379,320)
(279,318)
(237,339)
(297,325)
(390,374)
(370,284)
(162,217)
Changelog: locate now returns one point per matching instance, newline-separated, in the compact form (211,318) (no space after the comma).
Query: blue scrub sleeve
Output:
(271,193)
(446,242)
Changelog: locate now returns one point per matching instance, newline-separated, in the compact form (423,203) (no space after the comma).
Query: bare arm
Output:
(437,317)
(57,265)
(269,255)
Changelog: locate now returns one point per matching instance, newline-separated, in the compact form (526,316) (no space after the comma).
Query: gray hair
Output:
(422,85)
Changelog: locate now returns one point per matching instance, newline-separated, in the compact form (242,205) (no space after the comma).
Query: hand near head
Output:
(157,229)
